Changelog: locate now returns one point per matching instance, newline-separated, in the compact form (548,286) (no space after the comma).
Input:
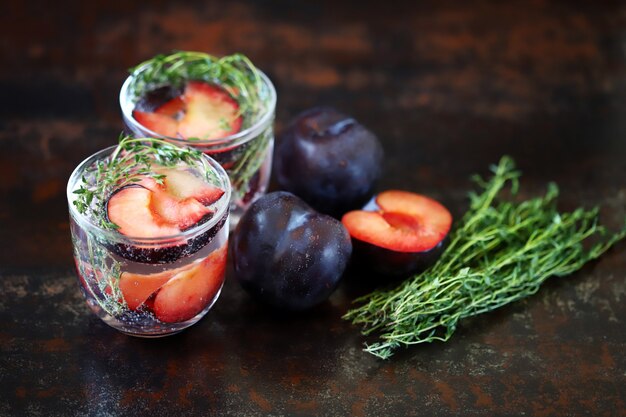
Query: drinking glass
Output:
(151,287)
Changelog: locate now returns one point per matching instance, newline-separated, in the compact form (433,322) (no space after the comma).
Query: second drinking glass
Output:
(223,107)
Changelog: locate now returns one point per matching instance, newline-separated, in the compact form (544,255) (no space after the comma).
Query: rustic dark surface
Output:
(448,88)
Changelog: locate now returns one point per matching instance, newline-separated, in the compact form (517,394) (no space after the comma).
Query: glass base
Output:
(150,336)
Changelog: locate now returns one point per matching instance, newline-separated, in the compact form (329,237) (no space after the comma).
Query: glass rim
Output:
(221,210)
(242,136)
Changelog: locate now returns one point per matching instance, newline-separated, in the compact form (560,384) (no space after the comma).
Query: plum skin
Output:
(329,160)
(393,264)
(287,255)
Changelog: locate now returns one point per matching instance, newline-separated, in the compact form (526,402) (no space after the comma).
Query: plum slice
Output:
(190,291)
(130,208)
(144,213)
(184,213)
(151,210)
(137,288)
(174,108)
(211,112)
(203,110)
(399,232)
(179,294)
(160,123)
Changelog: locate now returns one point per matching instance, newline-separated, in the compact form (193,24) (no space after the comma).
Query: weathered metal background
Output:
(448,88)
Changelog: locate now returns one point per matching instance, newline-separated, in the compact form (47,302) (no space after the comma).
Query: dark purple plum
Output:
(286,254)
(329,160)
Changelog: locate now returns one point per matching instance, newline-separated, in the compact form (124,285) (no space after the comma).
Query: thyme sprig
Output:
(249,163)
(501,251)
(132,160)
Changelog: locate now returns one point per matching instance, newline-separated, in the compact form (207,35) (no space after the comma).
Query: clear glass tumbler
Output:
(246,155)
(150,287)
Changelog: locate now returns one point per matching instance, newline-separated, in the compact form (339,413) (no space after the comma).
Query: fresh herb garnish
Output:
(100,269)
(248,162)
(131,161)
(501,251)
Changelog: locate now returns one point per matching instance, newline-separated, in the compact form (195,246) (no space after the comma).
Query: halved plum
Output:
(398,232)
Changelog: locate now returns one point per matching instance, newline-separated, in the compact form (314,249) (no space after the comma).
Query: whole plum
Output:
(329,160)
(288,255)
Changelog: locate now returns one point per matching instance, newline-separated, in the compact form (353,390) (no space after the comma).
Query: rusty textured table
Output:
(448,89)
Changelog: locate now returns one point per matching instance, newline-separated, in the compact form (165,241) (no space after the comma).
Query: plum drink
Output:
(149,224)
(223,107)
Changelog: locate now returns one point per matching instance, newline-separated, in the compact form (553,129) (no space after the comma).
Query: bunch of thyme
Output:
(500,252)
(131,161)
